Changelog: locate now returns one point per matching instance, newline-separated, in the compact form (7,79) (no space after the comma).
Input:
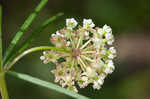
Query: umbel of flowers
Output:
(88,57)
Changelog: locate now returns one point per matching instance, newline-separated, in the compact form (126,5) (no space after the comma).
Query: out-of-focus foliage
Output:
(129,20)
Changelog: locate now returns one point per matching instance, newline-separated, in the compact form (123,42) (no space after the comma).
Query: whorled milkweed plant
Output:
(86,53)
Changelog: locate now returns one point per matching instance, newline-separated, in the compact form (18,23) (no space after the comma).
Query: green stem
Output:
(23,28)
(31,51)
(3,88)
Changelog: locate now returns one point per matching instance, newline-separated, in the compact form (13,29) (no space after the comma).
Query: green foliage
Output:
(33,36)
(0,38)
(23,28)
(45,84)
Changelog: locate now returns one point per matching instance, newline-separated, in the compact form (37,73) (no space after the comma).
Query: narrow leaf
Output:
(1,66)
(33,36)
(23,28)
(45,84)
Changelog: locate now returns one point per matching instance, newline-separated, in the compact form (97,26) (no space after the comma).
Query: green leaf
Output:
(45,84)
(23,28)
(33,36)
(1,66)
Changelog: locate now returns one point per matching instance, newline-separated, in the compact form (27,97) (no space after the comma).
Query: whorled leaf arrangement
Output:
(89,55)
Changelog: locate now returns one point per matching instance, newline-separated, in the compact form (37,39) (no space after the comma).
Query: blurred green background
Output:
(130,21)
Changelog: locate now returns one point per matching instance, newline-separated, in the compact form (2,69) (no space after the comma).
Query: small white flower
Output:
(86,33)
(110,42)
(84,78)
(84,84)
(112,50)
(59,34)
(42,57)
(67,78)
(53,34)
(110,64)
(110,67)
(107,32)
(111,56)
(87,23)
(75,89)
(68,43)
(107,28)
(89,71)
(100,81)
(44,52)
(71,23)
(108,36)
(100,31)
(96,85)
(102,76)
(108,70)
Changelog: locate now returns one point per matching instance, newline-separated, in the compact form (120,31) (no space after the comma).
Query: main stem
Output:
(3,89)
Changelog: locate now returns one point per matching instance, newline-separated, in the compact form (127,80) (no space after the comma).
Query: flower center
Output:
(76,52)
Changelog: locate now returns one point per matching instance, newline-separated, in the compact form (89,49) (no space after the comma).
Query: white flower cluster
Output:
(88,58)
